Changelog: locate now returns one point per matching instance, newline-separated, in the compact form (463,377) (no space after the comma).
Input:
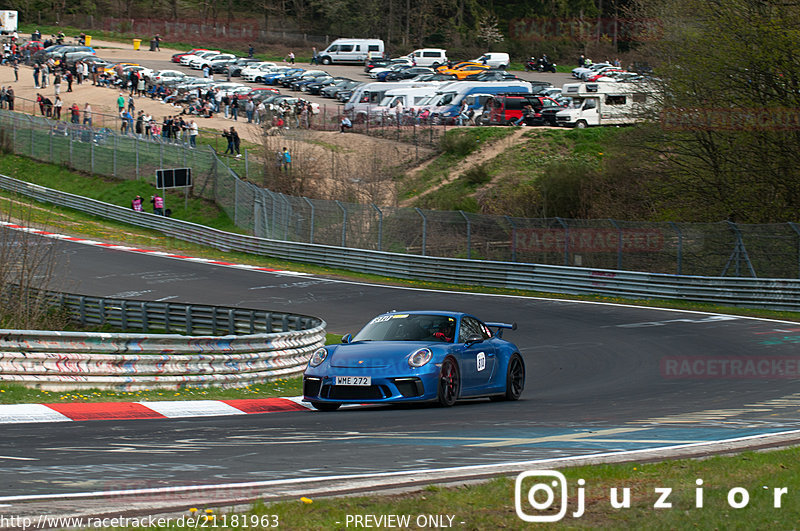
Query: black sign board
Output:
(174,178)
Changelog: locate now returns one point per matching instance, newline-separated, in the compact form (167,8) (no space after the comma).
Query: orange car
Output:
(462,70)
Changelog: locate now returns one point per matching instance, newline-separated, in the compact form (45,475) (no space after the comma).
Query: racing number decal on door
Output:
(481,361)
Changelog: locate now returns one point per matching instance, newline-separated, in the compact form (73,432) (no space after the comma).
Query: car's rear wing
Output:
(501,326)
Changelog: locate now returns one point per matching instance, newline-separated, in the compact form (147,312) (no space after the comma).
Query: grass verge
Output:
(491,504)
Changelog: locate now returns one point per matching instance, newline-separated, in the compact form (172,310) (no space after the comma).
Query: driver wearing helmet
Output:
(446,331)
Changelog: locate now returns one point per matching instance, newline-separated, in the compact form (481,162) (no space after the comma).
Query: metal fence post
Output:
(566,240)
(114,158)
(380,226)
(739,253)
(513,238)
(469,234)
(619,243)
(136,148)
(246,164)
(797,230)
(424,229)
(235,201)
(680,246)
(91,155)
(311,224)
(32,141)
(51,145)
(344,224)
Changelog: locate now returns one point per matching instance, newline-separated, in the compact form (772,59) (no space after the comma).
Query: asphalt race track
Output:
(601,378)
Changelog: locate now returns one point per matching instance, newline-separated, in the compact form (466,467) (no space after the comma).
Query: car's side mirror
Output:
(474,338)
(347,338)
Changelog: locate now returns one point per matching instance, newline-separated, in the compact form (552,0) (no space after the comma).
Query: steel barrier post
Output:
(738,253)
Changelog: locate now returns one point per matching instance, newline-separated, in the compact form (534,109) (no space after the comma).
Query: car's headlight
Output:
(420,357)
(318,357)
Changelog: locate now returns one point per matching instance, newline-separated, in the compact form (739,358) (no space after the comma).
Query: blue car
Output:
(418,356)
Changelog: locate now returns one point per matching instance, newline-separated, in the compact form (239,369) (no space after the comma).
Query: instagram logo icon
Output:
(538,491)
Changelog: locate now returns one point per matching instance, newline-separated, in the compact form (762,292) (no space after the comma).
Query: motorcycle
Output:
(540,65)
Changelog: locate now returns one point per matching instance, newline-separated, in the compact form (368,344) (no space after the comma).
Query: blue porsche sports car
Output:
(416,356)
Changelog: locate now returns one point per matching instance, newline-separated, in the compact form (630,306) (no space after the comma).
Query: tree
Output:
(730,83)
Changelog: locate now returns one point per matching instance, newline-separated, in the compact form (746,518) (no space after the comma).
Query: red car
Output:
(33,46)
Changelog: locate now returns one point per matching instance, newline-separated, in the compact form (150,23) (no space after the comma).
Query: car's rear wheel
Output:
(515,380)
(449,383)
(325,406)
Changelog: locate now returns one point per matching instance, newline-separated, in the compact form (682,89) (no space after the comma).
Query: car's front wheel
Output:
(325,406)
(449,383)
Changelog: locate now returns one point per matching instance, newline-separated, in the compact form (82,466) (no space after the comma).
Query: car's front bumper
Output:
(412,387)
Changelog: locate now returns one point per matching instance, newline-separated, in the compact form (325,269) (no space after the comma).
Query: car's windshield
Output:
(408,327)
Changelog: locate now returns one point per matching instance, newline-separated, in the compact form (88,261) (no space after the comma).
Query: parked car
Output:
(430,356)
(494,59)
(491,75)
(166,77)
(236,66)
(331,91)
(462,70)
(399,61)
(408,73)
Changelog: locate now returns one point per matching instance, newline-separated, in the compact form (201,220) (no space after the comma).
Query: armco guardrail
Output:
(258,346)
(776,294)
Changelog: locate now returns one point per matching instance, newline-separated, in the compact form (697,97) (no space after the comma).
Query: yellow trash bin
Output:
(88,40)
(137,43)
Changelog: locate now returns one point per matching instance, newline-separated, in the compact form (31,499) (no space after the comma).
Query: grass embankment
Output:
(491,505)
(511,180)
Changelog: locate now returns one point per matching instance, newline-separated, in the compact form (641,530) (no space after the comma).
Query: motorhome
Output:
(446,103)
(370,95)
(350,51)
(605,104)
(8,22)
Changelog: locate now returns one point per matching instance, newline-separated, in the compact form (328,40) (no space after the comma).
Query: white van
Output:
(428,57)
(494,59)
(350,50)
(371,95)
(409,97)
(605,104)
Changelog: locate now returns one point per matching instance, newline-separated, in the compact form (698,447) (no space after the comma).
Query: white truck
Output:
(605,104)
(8,22)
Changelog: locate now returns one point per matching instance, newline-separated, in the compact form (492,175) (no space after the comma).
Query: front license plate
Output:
(354,380)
